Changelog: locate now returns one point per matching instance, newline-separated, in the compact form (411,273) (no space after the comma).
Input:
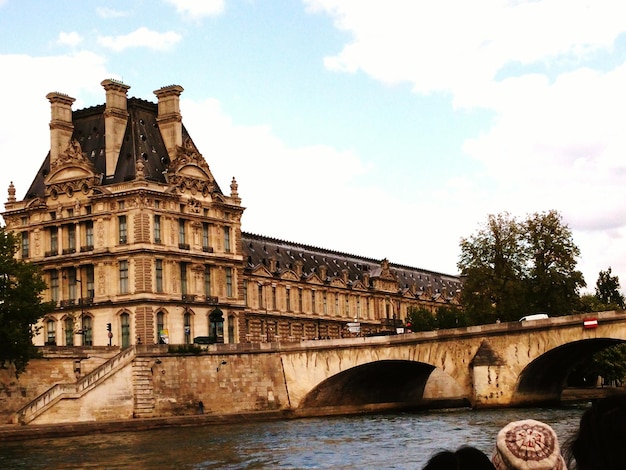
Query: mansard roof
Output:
(142,140)
(284,256)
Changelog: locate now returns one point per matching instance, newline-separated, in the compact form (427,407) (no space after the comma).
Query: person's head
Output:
(526,445)
(600,440)
(465,458)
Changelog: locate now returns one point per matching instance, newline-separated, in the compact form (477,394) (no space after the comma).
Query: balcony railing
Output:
(86,248)
(207,249)
(47,254)
(189,297)
(183,246)
(69,251)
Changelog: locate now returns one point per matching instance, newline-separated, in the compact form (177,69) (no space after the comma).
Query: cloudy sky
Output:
(383,129)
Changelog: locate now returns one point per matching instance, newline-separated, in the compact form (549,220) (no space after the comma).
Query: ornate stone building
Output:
(139,244)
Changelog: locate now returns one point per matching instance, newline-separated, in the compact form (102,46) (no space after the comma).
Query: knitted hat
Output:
(527,445)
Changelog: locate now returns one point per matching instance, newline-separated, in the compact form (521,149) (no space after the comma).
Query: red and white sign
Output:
(590,323)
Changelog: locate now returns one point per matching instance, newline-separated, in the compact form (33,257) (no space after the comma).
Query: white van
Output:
(536,316)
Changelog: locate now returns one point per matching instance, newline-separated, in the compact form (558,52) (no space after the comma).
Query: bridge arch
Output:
(401,383)
(544,378)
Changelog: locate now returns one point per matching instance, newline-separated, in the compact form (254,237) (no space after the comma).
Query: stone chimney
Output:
(61,126)
(169,117)
(115,120)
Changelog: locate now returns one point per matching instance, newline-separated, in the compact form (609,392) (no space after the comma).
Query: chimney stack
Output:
(115,120)
(61,126)
(169,117)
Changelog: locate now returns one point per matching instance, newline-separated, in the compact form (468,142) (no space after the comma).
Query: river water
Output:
(383,441)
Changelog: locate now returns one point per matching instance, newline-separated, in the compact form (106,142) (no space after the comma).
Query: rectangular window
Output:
(229,282)
(71,238)
(157,228)
(183,278)
(205,236)
(91,286)
(88,236)
(181,231)
(207,281)
(54,241)
(159,275)
(313,301)
(347,305)
(274,298)
(123,277)
(245,292)
(122,229)
(260,295)
(25,245)
(324,304)
(300,300)
(71,283)
(337,305)
(54,286)
(227,239)
(288,299)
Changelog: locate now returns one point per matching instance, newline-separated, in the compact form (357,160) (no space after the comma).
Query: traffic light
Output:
(108,327)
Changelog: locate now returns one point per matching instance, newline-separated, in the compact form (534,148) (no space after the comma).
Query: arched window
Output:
(160,326)
(231,329)
(51,334)
(125,326)
(68,327)
(87,331)
(187,321)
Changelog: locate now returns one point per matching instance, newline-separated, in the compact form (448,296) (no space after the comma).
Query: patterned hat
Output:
(527,445)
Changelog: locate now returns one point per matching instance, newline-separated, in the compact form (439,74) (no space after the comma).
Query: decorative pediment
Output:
(337,282)
(189,171)
(261,270)
(71,172)
(289,276)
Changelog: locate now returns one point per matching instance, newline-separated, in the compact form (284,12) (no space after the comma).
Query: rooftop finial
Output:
(11,193)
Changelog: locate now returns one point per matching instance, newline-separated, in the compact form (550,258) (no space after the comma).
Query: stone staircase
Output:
(75,390)
(143,392)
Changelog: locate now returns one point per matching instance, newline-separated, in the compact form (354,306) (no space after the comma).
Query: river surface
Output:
(384,441)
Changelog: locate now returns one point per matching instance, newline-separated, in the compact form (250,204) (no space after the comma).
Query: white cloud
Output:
(106,13)
(556,140)
(141,37)
(198,9)
(321,188)
(70,39)
(24,141)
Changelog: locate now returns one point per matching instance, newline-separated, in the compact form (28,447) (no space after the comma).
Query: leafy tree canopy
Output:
(513,268)
(608,290)
(20,305)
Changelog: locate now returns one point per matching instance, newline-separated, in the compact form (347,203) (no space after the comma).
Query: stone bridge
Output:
(498,365)
(507,364)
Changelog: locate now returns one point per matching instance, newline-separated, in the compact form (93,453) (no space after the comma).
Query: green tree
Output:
(420,319)
(21,305)
(511,269)
(450,317)
(492,267)
(608,290)
(553,283)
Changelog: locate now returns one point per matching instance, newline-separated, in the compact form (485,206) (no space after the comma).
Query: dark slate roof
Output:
(259,250)
(142,139)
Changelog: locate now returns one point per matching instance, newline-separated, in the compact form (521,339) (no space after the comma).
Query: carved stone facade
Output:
(138,244)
